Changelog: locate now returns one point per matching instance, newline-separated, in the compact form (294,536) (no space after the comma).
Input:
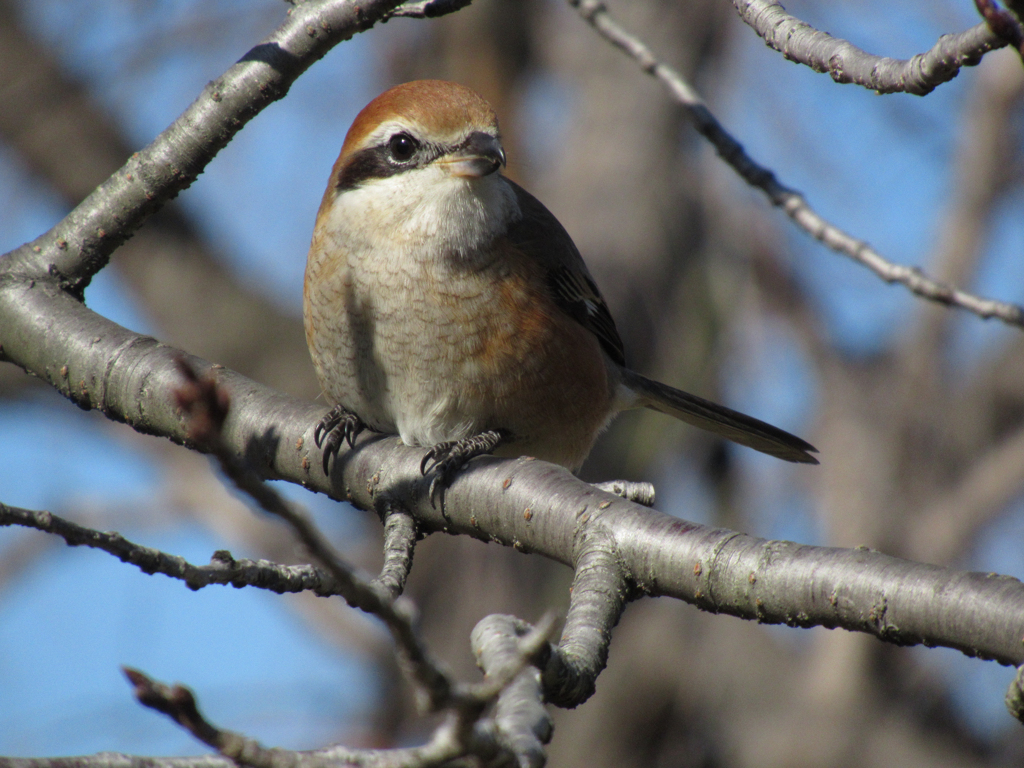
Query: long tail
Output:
(723,421)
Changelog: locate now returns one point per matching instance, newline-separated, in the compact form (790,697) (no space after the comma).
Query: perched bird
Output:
(446,304)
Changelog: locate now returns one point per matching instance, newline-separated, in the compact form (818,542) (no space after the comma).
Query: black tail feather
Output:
(730,424)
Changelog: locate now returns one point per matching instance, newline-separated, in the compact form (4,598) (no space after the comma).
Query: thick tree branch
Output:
(846,63)
(789,200)
(600,589)
(529,505)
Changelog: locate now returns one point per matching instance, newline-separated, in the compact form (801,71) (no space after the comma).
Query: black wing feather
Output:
(578,295)
(572,287)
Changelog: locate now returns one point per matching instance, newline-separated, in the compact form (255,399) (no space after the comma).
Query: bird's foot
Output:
(338,424)
(447,458)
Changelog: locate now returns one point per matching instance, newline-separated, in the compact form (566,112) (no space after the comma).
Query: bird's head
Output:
(420,160)
(419,125)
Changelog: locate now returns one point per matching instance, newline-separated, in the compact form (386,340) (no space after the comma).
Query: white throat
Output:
(426,211)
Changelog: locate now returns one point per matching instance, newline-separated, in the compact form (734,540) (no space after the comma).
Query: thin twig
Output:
(846,63)
(179,704)
(790,201)
(463,732)
(223,568)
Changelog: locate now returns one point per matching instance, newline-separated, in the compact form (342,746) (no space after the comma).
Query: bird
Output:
(444,303)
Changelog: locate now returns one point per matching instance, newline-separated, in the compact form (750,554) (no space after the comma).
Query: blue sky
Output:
(74,616)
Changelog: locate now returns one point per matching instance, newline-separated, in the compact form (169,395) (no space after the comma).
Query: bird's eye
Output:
(402,147)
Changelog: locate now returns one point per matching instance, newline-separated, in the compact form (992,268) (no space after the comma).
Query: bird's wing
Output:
(540,236)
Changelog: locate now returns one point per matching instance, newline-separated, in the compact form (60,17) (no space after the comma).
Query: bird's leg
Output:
(338,424)
(452,455)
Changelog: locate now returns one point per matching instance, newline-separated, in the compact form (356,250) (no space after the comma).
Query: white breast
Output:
(385,341)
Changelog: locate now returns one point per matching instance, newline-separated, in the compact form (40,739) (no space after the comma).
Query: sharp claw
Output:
(330,448)
(324,427)
(440,483)
(451,456)
(437,454)
(430,493)
(442,479)
(433,455)
(337,426)
(352,430)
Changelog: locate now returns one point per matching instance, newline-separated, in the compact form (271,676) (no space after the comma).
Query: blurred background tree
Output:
(917,410)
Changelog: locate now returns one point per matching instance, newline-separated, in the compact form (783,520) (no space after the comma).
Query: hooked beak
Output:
(480,155)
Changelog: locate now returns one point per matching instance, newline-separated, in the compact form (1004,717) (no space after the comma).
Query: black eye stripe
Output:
(378,163)
(369,163)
